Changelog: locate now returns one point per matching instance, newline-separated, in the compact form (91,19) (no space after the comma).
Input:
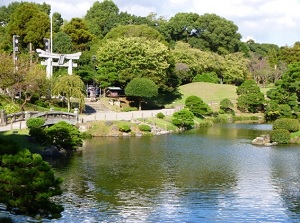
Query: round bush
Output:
(124,128)
(289,124)
(160,115)
(145,128)
(35,122)
(281,136)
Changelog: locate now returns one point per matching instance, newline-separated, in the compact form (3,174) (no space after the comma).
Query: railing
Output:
(54,116)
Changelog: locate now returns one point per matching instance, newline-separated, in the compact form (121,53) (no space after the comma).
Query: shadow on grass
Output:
(21,139)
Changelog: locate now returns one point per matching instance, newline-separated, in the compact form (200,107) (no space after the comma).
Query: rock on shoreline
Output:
(263,140)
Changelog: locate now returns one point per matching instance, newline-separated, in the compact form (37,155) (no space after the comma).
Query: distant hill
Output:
(208,92)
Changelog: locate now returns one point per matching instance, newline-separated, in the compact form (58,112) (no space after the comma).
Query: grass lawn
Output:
(208,92)
(21,138)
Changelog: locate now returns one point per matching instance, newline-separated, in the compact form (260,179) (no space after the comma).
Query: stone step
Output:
(93,107)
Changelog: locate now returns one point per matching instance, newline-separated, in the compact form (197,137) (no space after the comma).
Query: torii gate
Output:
(60,61)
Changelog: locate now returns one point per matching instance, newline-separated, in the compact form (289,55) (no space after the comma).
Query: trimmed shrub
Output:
(35,122)
(124,128)
(183,119)
(39,134)
(281,136)
(289,124)
(207,77)
(160,115)
(144,128)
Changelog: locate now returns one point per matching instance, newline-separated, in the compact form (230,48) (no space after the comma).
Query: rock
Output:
(263,140)
(52,151)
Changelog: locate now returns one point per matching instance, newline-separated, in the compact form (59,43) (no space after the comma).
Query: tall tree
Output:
(182,26)
(138,57)
(141,88)
(62,43)
(107,75)
(290,54)
(30,23)
(57,22)
(70,86)
(216,34)
(79,34)
(101,17)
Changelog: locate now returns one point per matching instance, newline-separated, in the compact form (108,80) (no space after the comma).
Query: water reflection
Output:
(204,175)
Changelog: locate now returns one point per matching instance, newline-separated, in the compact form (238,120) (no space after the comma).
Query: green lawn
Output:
(208,92)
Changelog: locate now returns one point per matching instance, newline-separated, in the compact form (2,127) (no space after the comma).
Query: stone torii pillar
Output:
(60,60)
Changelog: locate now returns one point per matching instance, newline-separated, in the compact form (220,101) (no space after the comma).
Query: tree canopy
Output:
(137,57)
(141,88)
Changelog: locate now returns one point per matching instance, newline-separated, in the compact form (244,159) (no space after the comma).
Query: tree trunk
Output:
(140,103)
(69,104)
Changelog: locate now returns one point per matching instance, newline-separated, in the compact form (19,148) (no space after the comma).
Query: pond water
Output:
(203,175)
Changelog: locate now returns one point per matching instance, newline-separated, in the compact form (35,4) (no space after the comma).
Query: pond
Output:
(202,175)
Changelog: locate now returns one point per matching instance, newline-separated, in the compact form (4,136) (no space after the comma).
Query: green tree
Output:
(227,106)
(216,34)
(197,106)
(284,99)
(127,31)
(141,88)
(70,86)
(106,76)
(27,182)
(181,25)
(78,31)
(57,22)
(102,17)
(64,135)
(290,54)
(62,43)
(183,119)
(250,99)
(139,57)
(30,23)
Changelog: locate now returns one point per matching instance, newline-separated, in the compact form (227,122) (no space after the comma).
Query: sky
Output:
(265,21)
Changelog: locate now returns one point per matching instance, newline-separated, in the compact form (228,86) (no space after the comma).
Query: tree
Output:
(21,77)
(62,43)
(102,17)
(78,31)
(197,106)
(250,98)
(135,31)
(27,182)
(106,75)
(57,22)
(30,23)
(141,88)
(290,55)
(235,68)
(180,26)
(70,86)
(183,119)
(227,106)
(138,57)
(216,34)
(284,99)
